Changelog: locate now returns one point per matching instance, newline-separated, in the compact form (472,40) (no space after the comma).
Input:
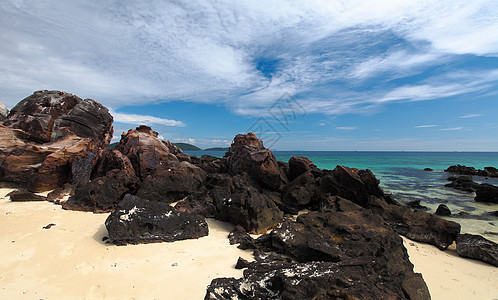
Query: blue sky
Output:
(309,75)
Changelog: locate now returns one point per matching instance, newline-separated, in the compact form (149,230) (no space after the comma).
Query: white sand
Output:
(450,276)
(70,261)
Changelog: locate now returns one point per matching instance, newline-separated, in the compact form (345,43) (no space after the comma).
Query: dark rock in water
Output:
(136,221)
(428,170)
(461,170)
(463,183)
(25,195)
(418,226)
(443,210)
(477,247)
(176,182)
(247,154)
(488,172)
(102,194)
(340,255)
(144,149)
(416,205)
(241,263)
(487,193)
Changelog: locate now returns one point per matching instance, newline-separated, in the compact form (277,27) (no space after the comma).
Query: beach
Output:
(70,259)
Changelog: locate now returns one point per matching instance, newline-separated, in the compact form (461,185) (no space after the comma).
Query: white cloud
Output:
(470,116)
(452,129)
(346,128)
(135,52)
(425,126)
(143,119)
(185,140)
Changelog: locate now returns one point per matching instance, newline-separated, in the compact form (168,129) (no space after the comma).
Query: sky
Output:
(303,75)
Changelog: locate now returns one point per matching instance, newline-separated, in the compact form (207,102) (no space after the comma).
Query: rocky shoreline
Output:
(346,244)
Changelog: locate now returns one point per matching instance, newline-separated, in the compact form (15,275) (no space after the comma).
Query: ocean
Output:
(402,175)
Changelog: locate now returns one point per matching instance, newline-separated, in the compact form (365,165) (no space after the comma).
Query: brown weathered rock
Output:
(52,138)
(111,160)
(300,192)
(477,247)
(146,152)
(4,112)
(247,154)
(102,194)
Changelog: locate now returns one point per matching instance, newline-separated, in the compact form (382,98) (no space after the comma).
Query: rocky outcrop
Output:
(52,138)
(4,112)
(477,247)
(146,152)
(247,154)
(487,193)
(464,170)
(339,255)
(104,193)
(463,183)
(136,221)
(173,184)
(418,226)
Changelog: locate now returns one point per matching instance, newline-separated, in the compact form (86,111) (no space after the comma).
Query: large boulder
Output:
(102,194)
(176,182)
(488,172)
(52,138)
(247,154)
(487,193)
(145,150)
(136,221)
(477,247)
(299,165)
(299,193)
(348,255)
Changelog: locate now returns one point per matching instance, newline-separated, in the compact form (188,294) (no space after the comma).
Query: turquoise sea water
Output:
(401,174)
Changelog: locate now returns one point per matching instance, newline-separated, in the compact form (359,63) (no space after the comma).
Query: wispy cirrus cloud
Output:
(470,116)
(337,58)
(426,126)
(144,119)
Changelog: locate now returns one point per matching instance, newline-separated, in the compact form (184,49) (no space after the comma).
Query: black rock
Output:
(443,210)
(23,195)
(136,221)
(239,236)
(477,247)
(463,183)
(428,169)
(461,170)
(104,193)
(416,205)
(487,193)
(241,263)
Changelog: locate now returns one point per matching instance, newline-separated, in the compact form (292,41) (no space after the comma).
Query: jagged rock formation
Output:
(137,221)
(51,138)
(464,170)
(332,255)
